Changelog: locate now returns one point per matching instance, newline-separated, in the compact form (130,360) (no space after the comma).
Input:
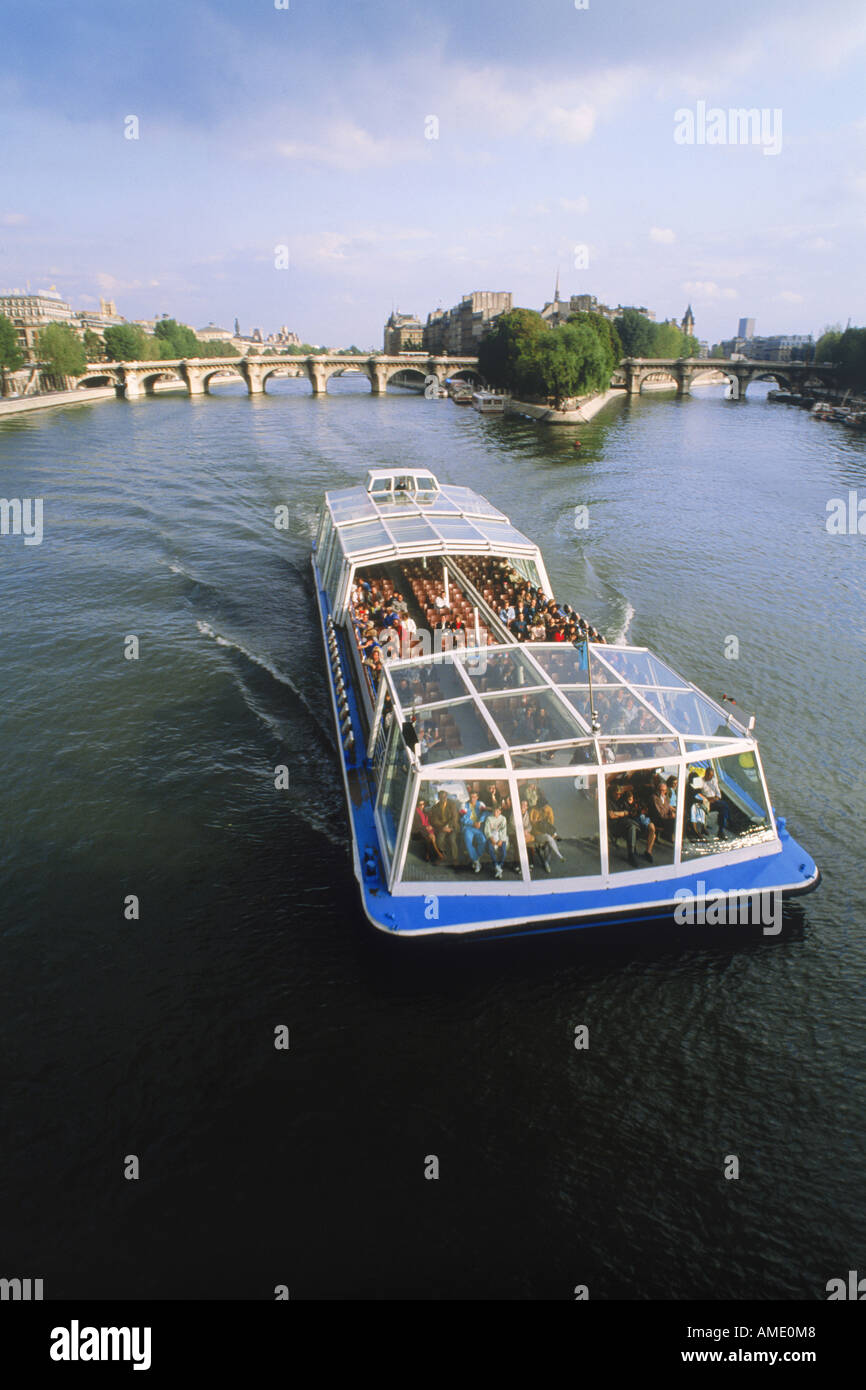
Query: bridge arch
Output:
(287,372)
(149,380)
(96,379)
(227,373)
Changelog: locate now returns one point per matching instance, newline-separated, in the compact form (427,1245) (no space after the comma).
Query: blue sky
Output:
(307,127)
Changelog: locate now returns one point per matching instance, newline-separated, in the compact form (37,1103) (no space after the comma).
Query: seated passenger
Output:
(622,820)
(474,816)
(697,828)
(496,833)
(446,822)
(713,794)
(544,834)
(422,826)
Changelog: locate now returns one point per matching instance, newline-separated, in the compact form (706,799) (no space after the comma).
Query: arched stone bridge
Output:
(686,372)
(134,379)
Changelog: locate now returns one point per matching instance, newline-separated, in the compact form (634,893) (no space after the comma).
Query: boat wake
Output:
(207,631)
(620,638)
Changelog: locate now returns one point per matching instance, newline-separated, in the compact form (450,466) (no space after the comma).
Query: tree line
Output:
(522,354)
(847,350)
(63,353)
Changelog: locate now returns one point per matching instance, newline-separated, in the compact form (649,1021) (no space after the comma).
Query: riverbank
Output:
(580,415)
(84,395)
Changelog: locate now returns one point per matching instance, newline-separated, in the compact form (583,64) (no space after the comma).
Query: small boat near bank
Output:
(489,402)
(504,787)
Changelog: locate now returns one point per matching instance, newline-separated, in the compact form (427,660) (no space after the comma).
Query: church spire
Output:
(556,291)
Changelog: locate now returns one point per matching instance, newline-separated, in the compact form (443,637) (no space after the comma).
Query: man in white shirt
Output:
(496,830)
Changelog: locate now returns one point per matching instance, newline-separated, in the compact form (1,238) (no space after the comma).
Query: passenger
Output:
(544,834)
(422,826)
(622,820)
(496,833)
(445,820)
(474,838)
(697,811)
(713,794)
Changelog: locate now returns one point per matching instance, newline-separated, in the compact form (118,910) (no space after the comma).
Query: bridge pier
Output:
(194,378)
(253,374)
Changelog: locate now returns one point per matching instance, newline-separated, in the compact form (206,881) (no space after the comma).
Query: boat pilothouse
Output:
(498,781)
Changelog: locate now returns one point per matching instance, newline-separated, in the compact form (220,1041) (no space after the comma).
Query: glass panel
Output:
(455,731)
(473,505)
(641,811)
(725,806)
(641,668)
(366,535)
(352,507)
(460,822)
(689,713)
(501,535)
(559,816)
(618,712)
(427,681)
(410,530)
(506,670)
(621,750)
(574,755)
(392,788)
(566,665)
(533,718)
(456,529)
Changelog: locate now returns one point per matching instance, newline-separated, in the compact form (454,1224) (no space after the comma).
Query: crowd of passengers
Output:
(643,804)
(483,828)
(528,613)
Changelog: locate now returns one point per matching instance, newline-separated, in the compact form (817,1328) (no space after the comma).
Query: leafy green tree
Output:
(10,353)
(216,347)
(690,346)
(126,342)
(851,357)
(61,350)
(93,348)
(605,330)
(827,345)
(636,333)
(504,344)
(180,339)
(667,340)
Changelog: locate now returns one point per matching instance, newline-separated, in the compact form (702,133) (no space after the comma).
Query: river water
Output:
(155,778)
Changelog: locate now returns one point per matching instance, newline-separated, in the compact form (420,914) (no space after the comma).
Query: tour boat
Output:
(486,777)
(489,402)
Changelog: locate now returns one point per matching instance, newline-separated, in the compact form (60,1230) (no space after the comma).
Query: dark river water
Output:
(155,778)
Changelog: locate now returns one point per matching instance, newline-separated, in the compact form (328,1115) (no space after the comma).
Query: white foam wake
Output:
(207,631)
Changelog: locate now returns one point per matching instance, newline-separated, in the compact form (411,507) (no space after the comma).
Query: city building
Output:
(783,347)
(458,331)
(403,333)
(746,328)
(212,334)
(283,339)
(688,323)
(30,313)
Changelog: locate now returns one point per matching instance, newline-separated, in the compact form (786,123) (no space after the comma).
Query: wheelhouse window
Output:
(392,789)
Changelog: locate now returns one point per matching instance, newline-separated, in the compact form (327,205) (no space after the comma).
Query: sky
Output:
(316,163)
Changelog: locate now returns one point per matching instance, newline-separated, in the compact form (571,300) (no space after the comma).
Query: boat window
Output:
(428,681)
(624,750)
(617,711)
(726,811)
(688,712)
(456,730)
(559,819)
(571,755)
(392,788)
(448,836)
(534,717)
(508,670)
(641,668)
(567,665)
(641,818)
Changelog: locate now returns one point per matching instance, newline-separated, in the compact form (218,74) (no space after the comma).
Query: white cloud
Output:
(13,219)
(348,146)
(579,205)
(819,243)
(790,297)
(707,289)
(663,235)
(572,125)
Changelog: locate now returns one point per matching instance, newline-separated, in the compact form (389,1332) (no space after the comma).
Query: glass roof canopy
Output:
(374,525)
(502,705)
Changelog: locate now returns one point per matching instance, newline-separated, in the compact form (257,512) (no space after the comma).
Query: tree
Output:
(827,345)
(573,361)
(180,339)
(216,347)
(604,329)
(93,348)
(851,357)
(126,342)
(505,342)
(10,353)
(636,333)
(61,350)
